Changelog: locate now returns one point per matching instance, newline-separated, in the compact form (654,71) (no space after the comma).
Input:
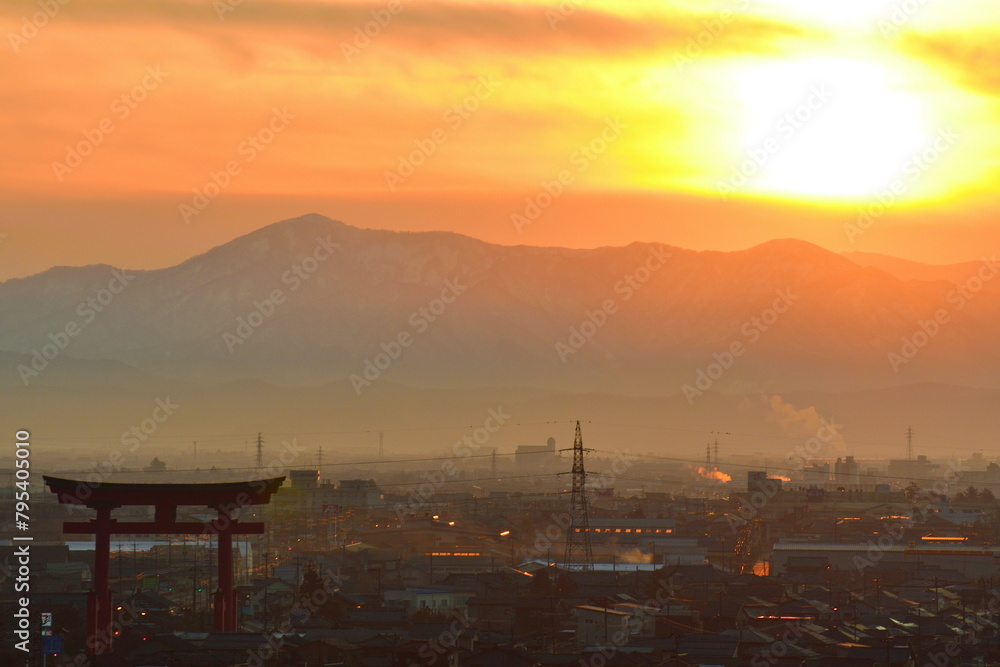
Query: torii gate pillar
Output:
(227,498)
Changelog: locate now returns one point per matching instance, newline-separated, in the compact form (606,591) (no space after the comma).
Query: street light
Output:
(506,533)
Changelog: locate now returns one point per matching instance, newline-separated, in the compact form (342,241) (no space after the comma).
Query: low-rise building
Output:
(601,626)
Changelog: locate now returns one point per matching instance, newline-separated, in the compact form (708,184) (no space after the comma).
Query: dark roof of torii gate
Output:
(117,494)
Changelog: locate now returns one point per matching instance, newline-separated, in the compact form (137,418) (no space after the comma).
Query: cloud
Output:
(805,423)
(436,27)
(971,58)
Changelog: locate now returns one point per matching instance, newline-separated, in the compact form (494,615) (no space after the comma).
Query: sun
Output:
(827,129)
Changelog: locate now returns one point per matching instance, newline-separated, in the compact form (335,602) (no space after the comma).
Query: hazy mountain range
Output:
(310,323)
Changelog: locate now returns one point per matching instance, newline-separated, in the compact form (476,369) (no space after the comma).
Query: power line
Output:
(690,461)
(695,462)
(327,465)
(239,437)
(479,479)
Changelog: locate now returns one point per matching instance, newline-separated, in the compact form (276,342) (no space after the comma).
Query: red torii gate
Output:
(224,497)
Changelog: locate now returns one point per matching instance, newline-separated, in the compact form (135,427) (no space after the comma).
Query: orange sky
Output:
(699,123)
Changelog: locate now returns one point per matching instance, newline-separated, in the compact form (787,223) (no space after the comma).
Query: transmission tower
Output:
(578,552)
(909,443)
(260,451)
(716,451)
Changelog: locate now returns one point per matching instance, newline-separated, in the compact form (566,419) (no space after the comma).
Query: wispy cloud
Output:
(972,57)
(439,26)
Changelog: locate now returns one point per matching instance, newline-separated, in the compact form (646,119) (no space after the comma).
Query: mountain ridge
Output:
(345,292)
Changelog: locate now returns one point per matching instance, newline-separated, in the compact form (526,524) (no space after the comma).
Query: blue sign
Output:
(52,645)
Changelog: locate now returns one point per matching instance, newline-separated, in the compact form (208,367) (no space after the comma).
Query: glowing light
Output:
(453,553)
(933,538)
(715,475)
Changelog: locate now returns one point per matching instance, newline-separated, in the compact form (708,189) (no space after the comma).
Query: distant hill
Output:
(905,269)
(311,323)
(508,316)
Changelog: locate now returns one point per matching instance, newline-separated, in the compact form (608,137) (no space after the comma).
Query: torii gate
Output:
(225,497)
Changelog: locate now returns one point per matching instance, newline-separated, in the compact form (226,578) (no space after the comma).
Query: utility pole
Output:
(578,551)
(493,464)
(194,582)
(381,443)
(260,451)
